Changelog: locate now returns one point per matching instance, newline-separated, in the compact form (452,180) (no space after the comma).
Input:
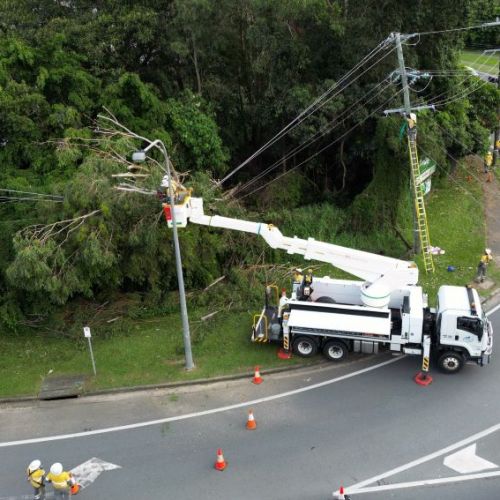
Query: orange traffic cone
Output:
(75,489)
(251,423)
(339,495)
(220,463)
(257,379)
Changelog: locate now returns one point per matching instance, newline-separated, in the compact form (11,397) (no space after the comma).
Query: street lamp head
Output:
(139,156)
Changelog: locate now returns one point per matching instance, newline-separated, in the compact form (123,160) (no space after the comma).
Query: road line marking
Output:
(200,413)
(491,311)
(424,482)
(466,461)
(427,458)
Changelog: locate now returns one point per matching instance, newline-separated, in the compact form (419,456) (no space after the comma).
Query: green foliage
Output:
(213,81)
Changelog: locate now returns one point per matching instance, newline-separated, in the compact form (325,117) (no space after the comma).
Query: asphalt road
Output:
(375,432)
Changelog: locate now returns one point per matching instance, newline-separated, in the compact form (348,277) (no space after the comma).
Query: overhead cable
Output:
(317,104)
(325,147)
(328,128)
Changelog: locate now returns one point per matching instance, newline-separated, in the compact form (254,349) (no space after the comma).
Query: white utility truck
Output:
(385,310)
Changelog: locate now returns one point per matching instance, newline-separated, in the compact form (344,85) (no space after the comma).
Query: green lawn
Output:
(151,351)
(487,63)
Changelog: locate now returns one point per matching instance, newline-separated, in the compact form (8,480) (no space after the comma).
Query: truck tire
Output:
(335,350)
(326,300)
(305,347)
(451,362)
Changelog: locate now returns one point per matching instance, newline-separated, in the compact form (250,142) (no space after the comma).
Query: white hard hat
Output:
(35,465)
(488,251)
(298,270)
(165,181)
(56,468)
(413,117)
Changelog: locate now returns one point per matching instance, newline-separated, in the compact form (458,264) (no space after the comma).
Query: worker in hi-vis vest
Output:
(486,258)
(61,481)
(36,477)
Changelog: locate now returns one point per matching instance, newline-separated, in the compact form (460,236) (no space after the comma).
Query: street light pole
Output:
(178,262)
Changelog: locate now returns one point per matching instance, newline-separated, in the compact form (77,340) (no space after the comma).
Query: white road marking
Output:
(475,437)
(491,311)
(90,470)
(424,482)
(466,461)
(197,414)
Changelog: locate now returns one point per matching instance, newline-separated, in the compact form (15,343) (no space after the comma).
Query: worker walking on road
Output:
(486,258)
(61,480)
(36,477)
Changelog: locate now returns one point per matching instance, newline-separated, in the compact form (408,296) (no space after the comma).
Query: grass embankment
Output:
(486,63)
(151,351)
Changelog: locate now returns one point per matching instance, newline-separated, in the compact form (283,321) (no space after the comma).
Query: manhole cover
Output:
(61,386)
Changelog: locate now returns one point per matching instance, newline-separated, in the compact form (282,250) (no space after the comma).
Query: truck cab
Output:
(463,332)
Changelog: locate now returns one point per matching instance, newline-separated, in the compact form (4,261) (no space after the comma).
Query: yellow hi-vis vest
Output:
(36,478)
(60,481)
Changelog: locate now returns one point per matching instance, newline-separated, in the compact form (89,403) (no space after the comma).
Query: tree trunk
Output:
(195,61)
(342,162)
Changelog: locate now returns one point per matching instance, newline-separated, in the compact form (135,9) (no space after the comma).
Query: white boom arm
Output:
(382,274)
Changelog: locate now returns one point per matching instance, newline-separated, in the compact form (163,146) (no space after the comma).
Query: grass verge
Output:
(486,63)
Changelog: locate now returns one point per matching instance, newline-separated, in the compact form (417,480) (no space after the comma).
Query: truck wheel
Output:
(326,300)
(305,347)
(335,350)
(451,362)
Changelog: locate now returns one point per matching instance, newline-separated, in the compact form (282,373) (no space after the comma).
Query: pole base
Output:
(282,354)
(422,378)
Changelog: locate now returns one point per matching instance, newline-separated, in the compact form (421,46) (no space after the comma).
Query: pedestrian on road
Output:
(61,480)
(36,477)
(486,258)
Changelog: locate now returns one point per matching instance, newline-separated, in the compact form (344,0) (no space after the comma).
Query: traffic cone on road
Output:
(251,423)
(257,379)
(75,489)
(339,495)
(220,463)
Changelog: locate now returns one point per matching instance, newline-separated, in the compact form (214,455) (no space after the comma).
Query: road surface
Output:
(363,424)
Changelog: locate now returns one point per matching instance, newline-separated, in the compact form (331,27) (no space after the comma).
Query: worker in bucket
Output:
(296,282)
(36,477)
(282,303)
(486,258)
(61,480)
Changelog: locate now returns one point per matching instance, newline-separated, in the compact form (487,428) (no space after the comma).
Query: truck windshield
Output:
(471,325)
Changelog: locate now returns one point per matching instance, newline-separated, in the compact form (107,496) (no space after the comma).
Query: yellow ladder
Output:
(423,228)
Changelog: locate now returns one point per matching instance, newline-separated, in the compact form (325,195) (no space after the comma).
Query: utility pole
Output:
(407,111)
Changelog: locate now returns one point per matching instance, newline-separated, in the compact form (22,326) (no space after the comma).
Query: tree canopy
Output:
(214,80)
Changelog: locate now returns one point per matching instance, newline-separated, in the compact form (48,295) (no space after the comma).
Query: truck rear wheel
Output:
(451,362)
(335,350)
(305,347)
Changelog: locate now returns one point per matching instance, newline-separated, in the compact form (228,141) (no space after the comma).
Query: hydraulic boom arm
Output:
(382,274)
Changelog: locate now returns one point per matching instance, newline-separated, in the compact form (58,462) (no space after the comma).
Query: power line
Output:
(324,148)
(323,131)
(465,28)
(317,104)
(32,193)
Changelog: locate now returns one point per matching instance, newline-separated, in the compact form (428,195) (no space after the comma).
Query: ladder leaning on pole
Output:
(423,228)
